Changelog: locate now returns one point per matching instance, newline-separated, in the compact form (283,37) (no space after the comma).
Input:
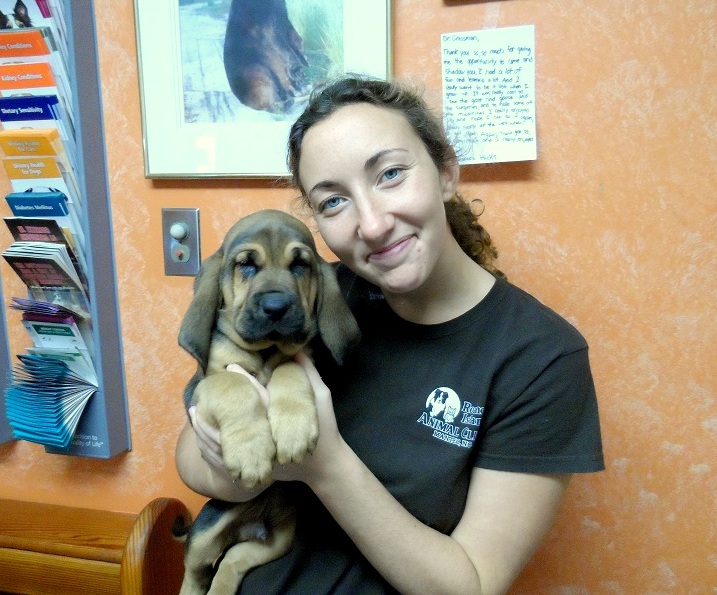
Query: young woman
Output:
(449,437)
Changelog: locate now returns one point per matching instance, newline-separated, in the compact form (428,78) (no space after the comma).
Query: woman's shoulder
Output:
(516,307)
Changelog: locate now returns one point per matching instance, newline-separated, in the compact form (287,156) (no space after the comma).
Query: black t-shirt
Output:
(506,386)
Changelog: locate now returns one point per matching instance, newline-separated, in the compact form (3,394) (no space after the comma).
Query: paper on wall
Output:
(489,94)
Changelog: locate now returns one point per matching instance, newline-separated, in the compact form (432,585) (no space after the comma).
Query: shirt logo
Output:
(450,419)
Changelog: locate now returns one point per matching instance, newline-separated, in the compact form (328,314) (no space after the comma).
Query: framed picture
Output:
(222,81)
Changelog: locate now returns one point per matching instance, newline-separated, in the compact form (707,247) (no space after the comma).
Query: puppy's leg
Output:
(191,587)
(229,402)
(244,556)
(205,542)
(292,413)
(197,575)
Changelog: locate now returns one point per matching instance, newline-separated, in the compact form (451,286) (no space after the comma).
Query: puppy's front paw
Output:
(295,435)
(249,453)
(292,413)
(229,402)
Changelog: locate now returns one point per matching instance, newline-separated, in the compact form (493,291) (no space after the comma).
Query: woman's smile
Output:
(392,252)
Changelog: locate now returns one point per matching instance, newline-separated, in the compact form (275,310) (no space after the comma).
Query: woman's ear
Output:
(449,179)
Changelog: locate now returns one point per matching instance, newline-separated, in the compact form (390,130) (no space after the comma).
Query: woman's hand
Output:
(208,441)
(260,388)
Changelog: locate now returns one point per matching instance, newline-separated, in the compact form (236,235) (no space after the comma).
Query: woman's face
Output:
(377,196)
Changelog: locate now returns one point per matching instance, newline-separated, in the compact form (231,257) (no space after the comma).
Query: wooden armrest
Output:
(58,550)
(153,560)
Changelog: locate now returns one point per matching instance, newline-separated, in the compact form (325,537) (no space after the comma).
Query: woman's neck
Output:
(456,286)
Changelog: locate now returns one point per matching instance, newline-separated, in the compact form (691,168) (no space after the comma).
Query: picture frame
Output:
(194,126)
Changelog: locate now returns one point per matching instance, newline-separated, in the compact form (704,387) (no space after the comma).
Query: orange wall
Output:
(613,226)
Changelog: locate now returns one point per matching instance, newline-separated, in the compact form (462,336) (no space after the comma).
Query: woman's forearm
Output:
(410,555)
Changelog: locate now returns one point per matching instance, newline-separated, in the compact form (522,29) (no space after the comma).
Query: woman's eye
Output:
(331,203)
(391,174)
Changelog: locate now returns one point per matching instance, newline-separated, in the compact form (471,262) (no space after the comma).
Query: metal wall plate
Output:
(180,241)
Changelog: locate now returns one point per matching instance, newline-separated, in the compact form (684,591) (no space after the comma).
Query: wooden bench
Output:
(61,550)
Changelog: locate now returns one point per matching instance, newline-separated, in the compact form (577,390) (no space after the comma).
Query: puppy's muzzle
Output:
(275,305)
(275,315)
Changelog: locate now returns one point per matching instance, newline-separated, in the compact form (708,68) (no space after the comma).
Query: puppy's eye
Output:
(299,266)
(247,270)
(248,267)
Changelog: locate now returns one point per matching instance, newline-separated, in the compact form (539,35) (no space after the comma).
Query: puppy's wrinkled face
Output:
(270,288)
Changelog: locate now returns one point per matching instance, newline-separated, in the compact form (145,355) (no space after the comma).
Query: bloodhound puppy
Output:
(258,301)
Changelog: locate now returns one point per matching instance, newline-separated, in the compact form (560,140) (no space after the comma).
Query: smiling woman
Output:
(362,189)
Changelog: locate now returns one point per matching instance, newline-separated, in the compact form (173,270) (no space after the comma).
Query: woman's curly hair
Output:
(326,99)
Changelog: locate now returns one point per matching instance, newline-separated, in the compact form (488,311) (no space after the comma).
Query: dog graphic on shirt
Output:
(442,403)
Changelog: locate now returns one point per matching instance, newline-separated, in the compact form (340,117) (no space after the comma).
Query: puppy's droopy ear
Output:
(337,326)
(195,334)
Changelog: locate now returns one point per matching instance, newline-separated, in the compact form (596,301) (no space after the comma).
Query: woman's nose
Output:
(374,222)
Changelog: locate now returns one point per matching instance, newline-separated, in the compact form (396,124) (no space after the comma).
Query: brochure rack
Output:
(103,429)
(5,429)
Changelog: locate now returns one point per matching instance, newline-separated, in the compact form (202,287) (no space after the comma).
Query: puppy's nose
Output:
(275,304)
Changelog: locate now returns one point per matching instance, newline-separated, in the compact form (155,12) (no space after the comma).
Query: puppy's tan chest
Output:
(259,364)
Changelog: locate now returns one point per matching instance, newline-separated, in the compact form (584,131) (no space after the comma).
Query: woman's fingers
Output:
(206,432)
(314,377)
(322,394)
(261,389)
(239,370)
(208,440)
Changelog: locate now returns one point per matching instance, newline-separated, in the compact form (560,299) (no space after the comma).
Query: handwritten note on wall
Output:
(489,94)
